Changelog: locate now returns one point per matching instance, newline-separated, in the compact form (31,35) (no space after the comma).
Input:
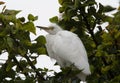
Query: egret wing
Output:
(50,45)
(67,48)
(69,43)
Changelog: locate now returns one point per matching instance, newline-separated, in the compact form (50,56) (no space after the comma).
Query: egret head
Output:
(52,29)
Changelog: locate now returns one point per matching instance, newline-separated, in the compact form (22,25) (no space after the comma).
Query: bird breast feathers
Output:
(67,44)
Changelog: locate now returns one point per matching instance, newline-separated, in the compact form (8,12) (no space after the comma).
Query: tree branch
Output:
(89,29)
(40,77)
(21,68)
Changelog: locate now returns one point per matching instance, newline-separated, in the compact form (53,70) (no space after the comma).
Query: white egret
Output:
(66,48)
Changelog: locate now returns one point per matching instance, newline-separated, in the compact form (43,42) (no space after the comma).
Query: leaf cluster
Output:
(16,44)
(85,18)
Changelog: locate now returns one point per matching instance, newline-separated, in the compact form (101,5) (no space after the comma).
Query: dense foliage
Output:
(83,17)
(16,43)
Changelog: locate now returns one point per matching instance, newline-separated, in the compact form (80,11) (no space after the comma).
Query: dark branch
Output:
(40,77)
(20,67)
(89,28)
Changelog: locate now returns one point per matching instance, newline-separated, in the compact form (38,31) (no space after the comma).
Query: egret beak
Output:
(45,28)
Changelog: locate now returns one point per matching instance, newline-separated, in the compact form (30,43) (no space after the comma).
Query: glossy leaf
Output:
(29,26)
(32,18)
(41,40)
(54,19)
(41,51)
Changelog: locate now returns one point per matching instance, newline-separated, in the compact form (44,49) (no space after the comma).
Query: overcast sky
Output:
(44,9)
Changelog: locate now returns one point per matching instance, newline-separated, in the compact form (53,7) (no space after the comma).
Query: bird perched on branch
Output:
(67,48)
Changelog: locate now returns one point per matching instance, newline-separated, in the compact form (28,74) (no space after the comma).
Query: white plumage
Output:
(66,48)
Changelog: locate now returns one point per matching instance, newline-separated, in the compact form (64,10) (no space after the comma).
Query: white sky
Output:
(44,9)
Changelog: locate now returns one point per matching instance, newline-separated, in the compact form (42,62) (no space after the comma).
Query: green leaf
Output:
(11,12)
(54,19)
(60,2)
(23,63)
(29,26)
(11,73)
(35,18)
(21,51)
(32,18)
(9,66)
(26,70)
(10,42)
(105,69)
(34,61)
(92,10)
(41,40)
(26,42)
(61,9)
(108,19)
(70,13)
(2,44)
(22,19)
(7,18)
(101,7)
(3,33)
(10,18)
(90,2)
(41,50)
(77,3)
(108,9)
(117,35)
